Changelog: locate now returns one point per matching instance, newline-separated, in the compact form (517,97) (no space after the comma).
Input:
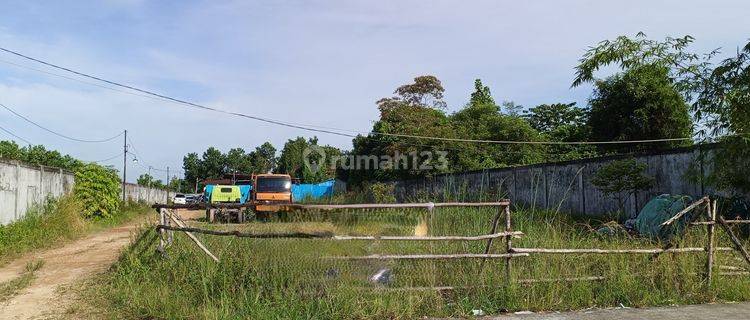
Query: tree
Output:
(193,168)
(238,161)
(10,150)
(263,159)
(426,91)
(481,119)
(98,189)
(298,153)
(621,179)
(639,104)
(417,109)
(213,164)
(563,122)
(145,180)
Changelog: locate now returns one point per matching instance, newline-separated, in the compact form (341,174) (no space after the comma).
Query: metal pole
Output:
(124,163)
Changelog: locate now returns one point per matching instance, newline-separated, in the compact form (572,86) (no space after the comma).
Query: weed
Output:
(292,279)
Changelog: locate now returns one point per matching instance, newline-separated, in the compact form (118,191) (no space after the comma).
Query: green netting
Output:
(660,209)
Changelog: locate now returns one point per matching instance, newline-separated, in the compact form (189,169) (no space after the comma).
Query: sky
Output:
(321,63)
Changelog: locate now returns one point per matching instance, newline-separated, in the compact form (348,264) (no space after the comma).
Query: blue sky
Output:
(315,62)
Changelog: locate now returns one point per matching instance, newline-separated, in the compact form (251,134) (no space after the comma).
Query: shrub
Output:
(622,179)
(98,189)
(381,193)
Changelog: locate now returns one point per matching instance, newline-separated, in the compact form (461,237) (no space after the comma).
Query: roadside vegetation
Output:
(293,279)
(94,204)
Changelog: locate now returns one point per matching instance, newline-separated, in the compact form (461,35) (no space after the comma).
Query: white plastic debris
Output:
(477,312)
(383,276)
(523,312)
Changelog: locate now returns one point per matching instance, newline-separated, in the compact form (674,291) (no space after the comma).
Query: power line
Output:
(328,130)
(16,136)
(54,132)
(107,159)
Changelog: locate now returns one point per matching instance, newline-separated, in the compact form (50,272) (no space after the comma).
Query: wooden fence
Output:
(710,219)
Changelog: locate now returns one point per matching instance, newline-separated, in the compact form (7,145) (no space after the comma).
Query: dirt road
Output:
(62,267)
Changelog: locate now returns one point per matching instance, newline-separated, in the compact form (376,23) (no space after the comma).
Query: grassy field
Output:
(55,222)
(293,279)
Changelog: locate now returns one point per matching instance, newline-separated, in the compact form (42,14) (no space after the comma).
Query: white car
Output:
(179,199)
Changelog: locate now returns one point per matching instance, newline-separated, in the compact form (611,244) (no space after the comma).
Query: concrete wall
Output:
(23,186)
(149,195)
(566,185)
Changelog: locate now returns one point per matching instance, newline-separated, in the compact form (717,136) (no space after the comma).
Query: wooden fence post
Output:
(493,229)
(170,233)
(508,244)
(161,231)
(711,211)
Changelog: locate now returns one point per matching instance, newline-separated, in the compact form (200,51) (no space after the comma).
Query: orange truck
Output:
(271,192)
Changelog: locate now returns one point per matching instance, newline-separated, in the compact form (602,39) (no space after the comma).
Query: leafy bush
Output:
(381,193)
(98,189)
(622,179)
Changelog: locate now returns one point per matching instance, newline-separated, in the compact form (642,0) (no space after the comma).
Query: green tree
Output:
(98,189)
(482,119)
(639,104)
(417,109)
(263,159)
(297,153)
(191,164)
(213,164)
(145,180)
(563,122)
(621,179)
(10,150)
(239,161)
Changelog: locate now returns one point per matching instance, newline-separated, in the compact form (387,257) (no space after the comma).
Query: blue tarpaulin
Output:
(245,192)
(312,190)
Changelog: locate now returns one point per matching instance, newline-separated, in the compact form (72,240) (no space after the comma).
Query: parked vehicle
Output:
(271,192)
(226,194)
(179,198)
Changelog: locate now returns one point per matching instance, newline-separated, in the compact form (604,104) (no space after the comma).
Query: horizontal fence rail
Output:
(425,205)
(615,251)
(509,252)
(431,256)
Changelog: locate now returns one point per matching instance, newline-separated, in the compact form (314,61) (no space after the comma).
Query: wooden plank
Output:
(508,244)
(430,256)
(700,223)
(431,238)
(737,243)
(684,211)
(711,212)
(613,251)
(493,230)
(194,238)
(197,206)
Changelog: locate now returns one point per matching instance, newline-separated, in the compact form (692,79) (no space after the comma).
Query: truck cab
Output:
(271,192)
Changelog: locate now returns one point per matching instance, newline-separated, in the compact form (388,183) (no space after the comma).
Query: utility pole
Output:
(167,184)
(124,163)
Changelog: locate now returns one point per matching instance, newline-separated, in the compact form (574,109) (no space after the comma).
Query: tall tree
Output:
(482,119)
(238,161)
(417,109)
(213,164)
(639,104)
(563,122)
(263,159)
